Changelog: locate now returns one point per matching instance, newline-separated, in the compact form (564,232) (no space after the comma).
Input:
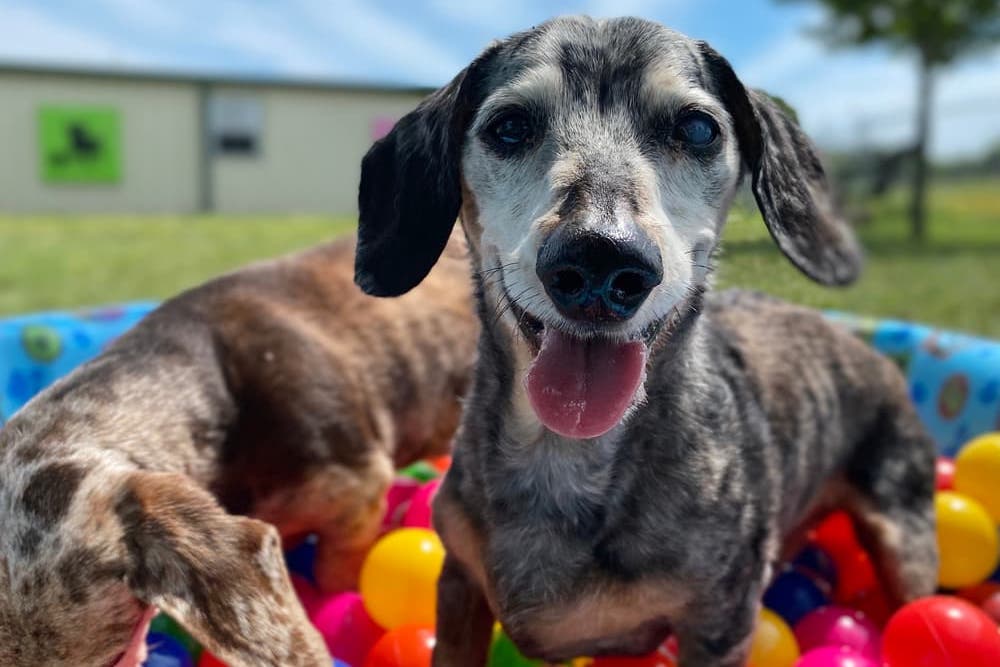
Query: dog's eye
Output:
(696,128)
(511,130)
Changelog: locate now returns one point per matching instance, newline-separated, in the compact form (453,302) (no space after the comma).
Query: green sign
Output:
(79,144)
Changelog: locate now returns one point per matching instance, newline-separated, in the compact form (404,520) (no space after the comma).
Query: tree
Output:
(936,33)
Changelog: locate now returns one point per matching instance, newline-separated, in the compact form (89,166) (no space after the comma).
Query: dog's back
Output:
(280,388)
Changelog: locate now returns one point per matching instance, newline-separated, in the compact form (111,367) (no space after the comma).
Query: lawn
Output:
(951,280)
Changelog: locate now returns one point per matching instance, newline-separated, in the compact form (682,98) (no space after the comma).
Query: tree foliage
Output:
(939,30)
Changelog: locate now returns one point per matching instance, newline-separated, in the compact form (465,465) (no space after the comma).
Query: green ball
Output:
(165,625)
(503,653)
(422,471)
(42,343)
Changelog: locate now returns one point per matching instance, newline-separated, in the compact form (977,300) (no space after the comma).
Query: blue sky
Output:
(844,98)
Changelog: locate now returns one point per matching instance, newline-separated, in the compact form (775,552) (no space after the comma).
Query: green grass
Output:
(952,280)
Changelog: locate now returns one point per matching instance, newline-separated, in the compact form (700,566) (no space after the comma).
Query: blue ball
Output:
(165,651)
(339,663)
(814,562)
(793,595)
(302,559)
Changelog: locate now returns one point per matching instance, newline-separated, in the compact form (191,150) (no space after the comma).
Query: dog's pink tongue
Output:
(581,388)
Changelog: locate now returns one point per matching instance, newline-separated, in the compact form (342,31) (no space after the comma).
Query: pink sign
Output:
(381,125)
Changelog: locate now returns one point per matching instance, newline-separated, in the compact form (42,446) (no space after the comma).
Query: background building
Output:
(124,142)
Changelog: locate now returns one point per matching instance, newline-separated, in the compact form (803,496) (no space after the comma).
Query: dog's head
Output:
(594,163)
(85,562)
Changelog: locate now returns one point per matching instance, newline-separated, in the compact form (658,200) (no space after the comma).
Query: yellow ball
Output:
(977,472)
(399,578)
(774,644)
(967,540)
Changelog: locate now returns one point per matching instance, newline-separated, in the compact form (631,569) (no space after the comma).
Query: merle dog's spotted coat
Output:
(279,391)
(753,416)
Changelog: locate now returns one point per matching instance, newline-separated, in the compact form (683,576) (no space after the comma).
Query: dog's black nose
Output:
(597,277)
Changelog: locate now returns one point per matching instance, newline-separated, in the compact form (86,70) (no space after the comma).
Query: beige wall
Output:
(312,145)
(160,145)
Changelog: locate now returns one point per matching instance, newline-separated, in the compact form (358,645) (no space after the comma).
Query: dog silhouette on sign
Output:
(83,146)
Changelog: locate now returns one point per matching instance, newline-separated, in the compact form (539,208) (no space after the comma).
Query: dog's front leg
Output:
(718,627)
(464,620)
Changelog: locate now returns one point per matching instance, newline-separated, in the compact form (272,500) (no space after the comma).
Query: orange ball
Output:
(406,646)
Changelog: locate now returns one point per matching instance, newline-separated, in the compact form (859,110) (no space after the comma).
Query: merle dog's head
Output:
(593,163)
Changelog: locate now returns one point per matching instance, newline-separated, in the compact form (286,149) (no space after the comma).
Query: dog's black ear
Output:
(410,187)
(788,180)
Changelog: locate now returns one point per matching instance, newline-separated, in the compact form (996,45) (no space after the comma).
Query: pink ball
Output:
(398,502)
(837,627)
(349,631)
(831,656)
(419,513)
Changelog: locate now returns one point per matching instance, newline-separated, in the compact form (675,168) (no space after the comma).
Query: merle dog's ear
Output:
(410,187)
(222,577)
(788,180)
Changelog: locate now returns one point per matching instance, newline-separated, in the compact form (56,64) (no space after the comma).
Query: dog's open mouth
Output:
(581,387)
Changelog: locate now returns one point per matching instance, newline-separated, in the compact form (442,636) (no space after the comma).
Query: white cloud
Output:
(265,36)
(386,39)
(27,34)
(851,98)
(146,13)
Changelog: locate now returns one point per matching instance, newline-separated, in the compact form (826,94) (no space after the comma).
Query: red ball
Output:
(405,646)
(855,576)
(209,660)
(944,478)
(991,606)
(941,631)
(835,535)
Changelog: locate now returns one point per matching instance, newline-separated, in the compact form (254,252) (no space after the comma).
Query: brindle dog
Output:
(634,451)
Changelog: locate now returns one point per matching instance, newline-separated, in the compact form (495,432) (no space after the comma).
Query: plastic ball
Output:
(977,471)
(833,656)
(944,474)
(399,578)
(818,564)
(793,595)
(418,515)
(835,535)
(941,630)
(163,624)
(397,501)
(503,653)
(441,463)
(349,632)
(301,558)
(857,577)
(773,644)
(967,540)
(422,471)
(979,593)
(166,651)
(839,627)
(991,606)
(405,646)
(209,660)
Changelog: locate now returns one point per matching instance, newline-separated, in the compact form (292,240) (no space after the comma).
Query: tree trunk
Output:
(918,206)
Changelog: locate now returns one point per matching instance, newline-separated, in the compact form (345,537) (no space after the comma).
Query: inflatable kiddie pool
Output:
(823,609)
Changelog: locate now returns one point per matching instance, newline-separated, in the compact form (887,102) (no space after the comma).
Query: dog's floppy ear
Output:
(410,191)
(788,181)
(220,576)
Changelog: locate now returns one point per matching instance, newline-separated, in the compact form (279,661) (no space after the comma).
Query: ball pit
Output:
(828,593)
